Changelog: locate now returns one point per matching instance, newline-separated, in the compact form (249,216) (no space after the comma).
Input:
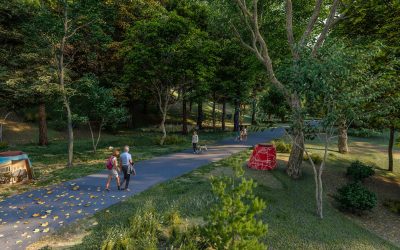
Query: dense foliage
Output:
(359,171)
(356,198)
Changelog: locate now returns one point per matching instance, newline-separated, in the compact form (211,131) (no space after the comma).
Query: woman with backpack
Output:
(112,167)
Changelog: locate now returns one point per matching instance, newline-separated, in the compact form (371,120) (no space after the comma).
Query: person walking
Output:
(244,132)
(127,167)
(195,140)
(112,166)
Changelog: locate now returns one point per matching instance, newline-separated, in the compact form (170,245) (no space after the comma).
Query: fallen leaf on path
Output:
(46,230)
(44,216)
(37,230)
(45,224)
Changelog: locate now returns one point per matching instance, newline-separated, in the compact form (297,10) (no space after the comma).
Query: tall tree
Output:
(374,24)
(257,42)
(151,51)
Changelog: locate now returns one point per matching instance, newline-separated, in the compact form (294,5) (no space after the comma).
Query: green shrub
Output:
(393,205)
(356,198)
(281,146)
(142,233)
(359,171)
(59,125)
(171,140)
(317,159)
(233,222)
(363,132)
(3,145)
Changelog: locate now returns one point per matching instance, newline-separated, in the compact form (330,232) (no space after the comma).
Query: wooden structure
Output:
(14,167)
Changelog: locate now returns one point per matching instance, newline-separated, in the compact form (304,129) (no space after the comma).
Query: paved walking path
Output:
(26,217)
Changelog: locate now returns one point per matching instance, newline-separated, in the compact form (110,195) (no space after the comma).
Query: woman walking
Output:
(112,166)
(195,140)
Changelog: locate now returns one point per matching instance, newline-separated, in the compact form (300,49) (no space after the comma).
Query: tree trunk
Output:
(236,117)
(223,116)
(190,106)
(390,148)
(43,141)
(162,126)
(214,113)
(131,123)
(64,93)
(342,137)
(293,168)
(253,112)
(95,143)
(184,117)
(145,106)
(200,115)
(70,135)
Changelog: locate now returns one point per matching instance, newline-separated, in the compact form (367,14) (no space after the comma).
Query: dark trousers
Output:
(194,147)
(127,176)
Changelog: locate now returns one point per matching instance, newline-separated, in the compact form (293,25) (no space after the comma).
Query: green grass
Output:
(368,150)
(49,163)
(290,213)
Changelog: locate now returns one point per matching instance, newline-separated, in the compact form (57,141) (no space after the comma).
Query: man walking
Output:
(127,166)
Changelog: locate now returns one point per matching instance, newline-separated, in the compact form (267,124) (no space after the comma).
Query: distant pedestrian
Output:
(112,167)
(195,140)
(127,167)
(244,133)
(239,134)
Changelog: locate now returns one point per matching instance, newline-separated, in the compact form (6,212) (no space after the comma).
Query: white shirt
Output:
(195,139)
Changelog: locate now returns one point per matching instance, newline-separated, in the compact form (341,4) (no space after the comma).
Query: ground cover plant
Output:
(289,214)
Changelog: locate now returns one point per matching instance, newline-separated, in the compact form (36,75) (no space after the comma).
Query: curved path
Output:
(24,218)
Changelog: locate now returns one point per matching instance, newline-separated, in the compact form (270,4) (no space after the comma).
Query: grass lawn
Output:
(49,163)
(290,211)
(386,185)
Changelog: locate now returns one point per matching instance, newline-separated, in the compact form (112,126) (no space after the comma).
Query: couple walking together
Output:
(126,165)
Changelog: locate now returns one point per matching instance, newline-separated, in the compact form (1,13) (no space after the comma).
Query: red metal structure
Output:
(263,157)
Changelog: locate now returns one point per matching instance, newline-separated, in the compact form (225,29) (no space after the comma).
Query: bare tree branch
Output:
(72,33)
(311,22)
(327,27)
(289,29)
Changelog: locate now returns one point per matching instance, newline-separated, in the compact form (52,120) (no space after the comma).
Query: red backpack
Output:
(109,163)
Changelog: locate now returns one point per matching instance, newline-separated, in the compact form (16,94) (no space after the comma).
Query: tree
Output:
(373,24)
(232,222)
(257,43)
(151,51)
(97,108)
(273,103)
(29,79)
(321,85)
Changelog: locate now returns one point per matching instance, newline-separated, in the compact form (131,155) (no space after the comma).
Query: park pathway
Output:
(26,217)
